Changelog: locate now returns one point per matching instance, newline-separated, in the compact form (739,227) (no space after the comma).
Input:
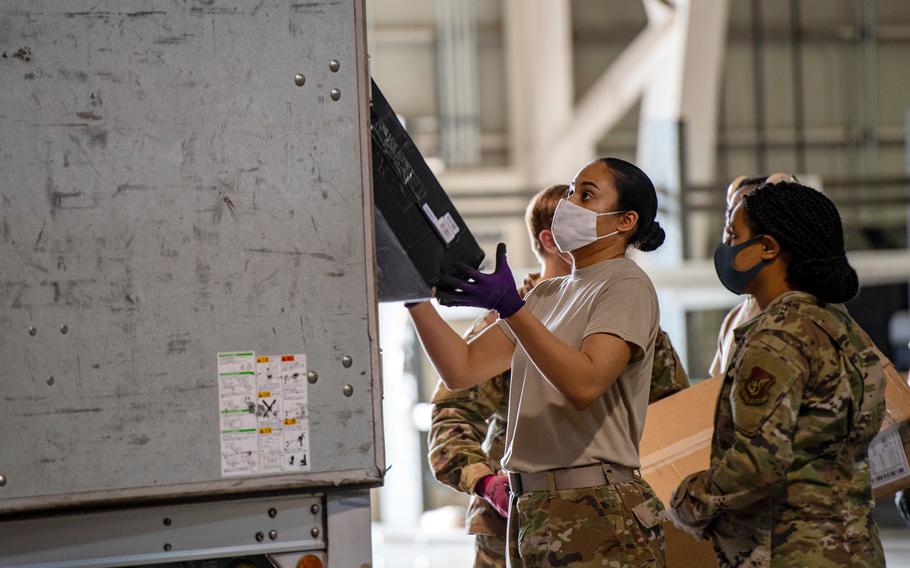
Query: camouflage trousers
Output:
(616,526)
(489,551)
(806,537)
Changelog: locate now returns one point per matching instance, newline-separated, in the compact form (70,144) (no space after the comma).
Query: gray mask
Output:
(735,280)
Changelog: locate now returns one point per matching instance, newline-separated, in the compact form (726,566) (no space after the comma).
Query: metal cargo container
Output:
(188,331)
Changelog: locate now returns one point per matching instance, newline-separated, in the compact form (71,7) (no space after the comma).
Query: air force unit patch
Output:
(756,388)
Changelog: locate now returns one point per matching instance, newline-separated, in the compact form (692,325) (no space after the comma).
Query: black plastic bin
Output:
(418,229)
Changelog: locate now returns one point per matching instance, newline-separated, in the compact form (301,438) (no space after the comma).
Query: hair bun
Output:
(831,279)
(652,238)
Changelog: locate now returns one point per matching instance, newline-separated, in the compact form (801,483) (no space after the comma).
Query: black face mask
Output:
(735,280)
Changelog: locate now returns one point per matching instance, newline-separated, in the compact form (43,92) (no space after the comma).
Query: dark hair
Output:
(539,215)
(636,193)
(808,228)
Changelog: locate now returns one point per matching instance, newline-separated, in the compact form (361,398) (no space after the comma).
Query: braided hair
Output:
(808,228)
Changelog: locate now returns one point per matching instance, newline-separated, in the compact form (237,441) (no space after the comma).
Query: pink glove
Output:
(495,490)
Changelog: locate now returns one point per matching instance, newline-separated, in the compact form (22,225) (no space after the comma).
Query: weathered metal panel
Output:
(175,533)
(167,192)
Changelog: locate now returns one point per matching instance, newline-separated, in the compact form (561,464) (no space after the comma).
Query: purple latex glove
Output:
(494,489)
(494,291)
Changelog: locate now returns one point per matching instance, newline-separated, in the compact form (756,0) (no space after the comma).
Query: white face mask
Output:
(574,226)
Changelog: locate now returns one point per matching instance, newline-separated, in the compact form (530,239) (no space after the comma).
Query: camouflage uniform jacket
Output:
(789,482)
(467,436)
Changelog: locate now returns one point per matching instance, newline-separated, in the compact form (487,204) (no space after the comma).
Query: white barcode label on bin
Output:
(445,225)
(887,459)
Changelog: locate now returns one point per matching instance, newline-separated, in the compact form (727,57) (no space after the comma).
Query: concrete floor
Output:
(897,547)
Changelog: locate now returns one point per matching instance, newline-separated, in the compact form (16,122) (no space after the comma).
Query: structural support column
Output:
(607,101)
(459,103)
(348,528)
(677,140)
(400,497)
(678,127)
(539,74)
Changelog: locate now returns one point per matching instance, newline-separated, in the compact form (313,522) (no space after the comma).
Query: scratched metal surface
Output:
(167,192)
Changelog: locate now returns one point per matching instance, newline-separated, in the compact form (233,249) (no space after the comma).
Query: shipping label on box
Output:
(888,451)
(887,458)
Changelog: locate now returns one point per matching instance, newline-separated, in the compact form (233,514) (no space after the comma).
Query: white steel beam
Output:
(538,40)
(687,92)
(687,88)
(605,104)
(675,63)
(459,111)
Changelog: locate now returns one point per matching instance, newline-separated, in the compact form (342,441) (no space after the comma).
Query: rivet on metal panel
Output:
(167,521)
(334,66)
(273,534)
(50,380)
(315,532)
(348,390)
(346,361)
(315,509)
(335,94)
(312,376)
(64,329)
(167,547)
(299,80)
(273,512)
(32,330)
(2,480)
(260,536)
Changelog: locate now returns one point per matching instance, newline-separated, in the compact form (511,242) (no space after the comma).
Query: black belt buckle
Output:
(515,484)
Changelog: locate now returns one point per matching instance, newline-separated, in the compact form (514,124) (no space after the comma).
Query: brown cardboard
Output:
(677,442)
(897,397)
(897,418)
(677,436)
(683,551)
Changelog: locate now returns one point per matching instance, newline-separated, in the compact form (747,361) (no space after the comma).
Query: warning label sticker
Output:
(887,459)
(263,411)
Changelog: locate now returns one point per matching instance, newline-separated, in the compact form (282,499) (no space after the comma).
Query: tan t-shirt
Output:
(742,313)
(544,430)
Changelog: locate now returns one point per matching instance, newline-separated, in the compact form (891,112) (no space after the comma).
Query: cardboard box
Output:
(677,437)
(683,551)
(677,442)
(888,451)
